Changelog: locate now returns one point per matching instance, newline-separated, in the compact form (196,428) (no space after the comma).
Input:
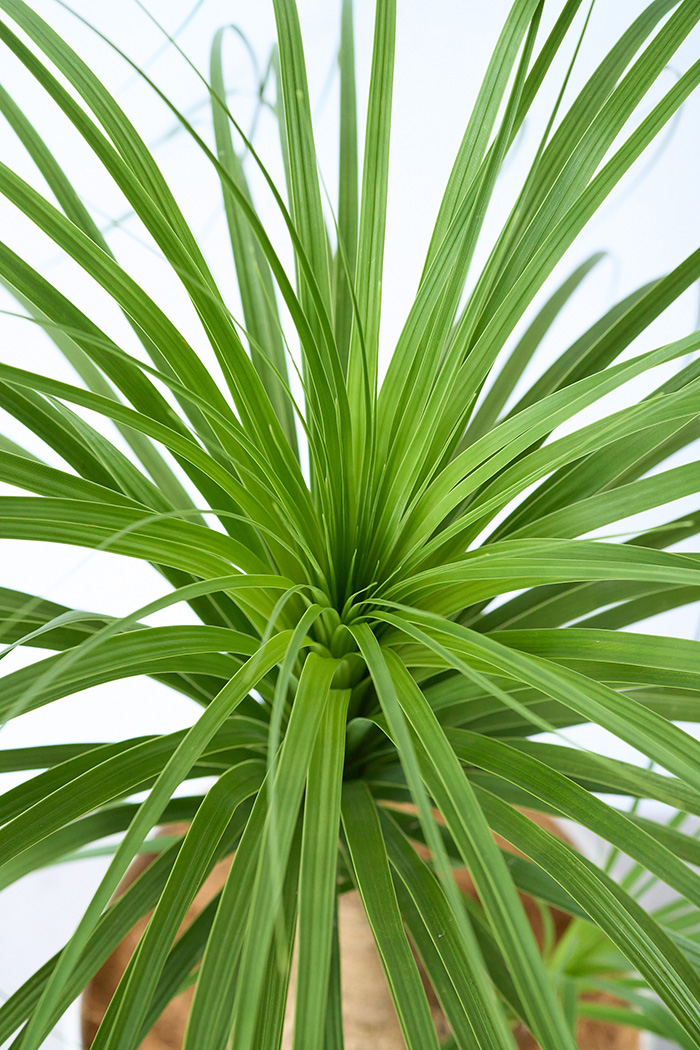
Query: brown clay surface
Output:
(368,1015)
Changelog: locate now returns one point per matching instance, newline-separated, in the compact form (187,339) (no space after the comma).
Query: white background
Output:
(648,225)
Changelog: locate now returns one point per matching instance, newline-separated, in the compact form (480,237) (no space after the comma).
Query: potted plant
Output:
(395,586)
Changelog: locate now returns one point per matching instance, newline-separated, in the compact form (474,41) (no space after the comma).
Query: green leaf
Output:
(257,909)
(527,346)
(306,195)
(364,348)
(317,883)
(125,1014)
(656,737)
(174,771)
(482,118)
(279,964)
(345,259)
(489,1027)
(625,921)
(373,878)
(155,650)
(662,661)
(464,818)
(252,271)
(602,774)
(449,966)
(577,804)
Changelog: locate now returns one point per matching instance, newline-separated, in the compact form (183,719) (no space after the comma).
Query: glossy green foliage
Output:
(400,593)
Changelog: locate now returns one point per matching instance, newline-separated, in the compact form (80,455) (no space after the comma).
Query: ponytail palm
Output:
(395,589)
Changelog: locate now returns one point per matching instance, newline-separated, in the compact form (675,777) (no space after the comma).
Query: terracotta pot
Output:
(368,1014)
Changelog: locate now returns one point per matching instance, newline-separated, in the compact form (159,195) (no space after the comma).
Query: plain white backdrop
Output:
(649,224)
